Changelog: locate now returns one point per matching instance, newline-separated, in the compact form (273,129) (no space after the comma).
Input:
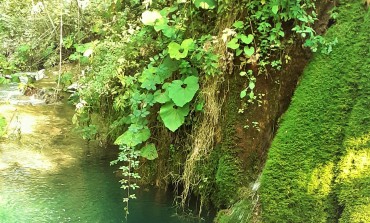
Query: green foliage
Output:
(182,92)
(301,181)
(227,180)
(177,51)
(205,4)
(3,125)
(173,116)
(149,152)
(133,136)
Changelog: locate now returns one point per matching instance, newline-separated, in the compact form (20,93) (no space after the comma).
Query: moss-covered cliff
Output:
(318,167)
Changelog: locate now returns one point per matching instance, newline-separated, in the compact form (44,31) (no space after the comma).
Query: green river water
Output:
(48,174)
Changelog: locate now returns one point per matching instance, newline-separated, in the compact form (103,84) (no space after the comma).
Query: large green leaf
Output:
(249,51)
(247,39)
(205,4)
(173,116)
(174,51)
(233,44)
(178,51)
(149,152)
(182,92)
(133,136)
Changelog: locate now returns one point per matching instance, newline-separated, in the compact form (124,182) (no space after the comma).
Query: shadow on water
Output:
(48,174)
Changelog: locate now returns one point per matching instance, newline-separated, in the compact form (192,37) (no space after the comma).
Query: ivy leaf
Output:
(188,44)
(238,24)
(243,93)
(205,4)
(246,39)
(133,136)
(249,51)
(275,9)
(149,152)
(238,52)
(178,51)
(182,92)
(173,116)
(233,44)
(174,51)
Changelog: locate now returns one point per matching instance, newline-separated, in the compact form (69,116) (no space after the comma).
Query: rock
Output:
(73,88)
(23,79)
(40,75)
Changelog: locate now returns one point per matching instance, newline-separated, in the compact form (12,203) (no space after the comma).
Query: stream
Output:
(49,174)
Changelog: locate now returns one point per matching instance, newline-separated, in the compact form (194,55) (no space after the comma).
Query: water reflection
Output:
(46,175)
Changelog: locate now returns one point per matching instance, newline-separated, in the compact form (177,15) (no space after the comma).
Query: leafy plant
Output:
(173,116)
(182,92)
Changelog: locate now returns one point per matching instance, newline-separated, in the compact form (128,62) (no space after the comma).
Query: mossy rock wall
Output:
(318,166)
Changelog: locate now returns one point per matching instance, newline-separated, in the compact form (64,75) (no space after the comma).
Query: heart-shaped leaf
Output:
(133,136)
(247,39)
(233,44)
(173,116)
(182,92)
(238,24)
(205,4)
(188,44)
(249,51)
(178,51)
(149,152)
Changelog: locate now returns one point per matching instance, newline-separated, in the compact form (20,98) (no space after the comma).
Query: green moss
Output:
(228,179)
(298,182)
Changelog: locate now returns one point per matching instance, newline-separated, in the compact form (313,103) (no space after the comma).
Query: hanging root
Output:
(204,133)
(203,137)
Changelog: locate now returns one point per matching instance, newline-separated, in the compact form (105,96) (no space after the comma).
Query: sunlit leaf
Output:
(233,44)
(275,9)
(205,4)
(149,152)
(133,136)
(238,24)
(249,51)
(173,116)
(243,93)
(182,92)
(247,39)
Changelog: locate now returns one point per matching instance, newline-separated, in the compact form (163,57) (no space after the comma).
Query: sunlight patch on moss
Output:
(321,180)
